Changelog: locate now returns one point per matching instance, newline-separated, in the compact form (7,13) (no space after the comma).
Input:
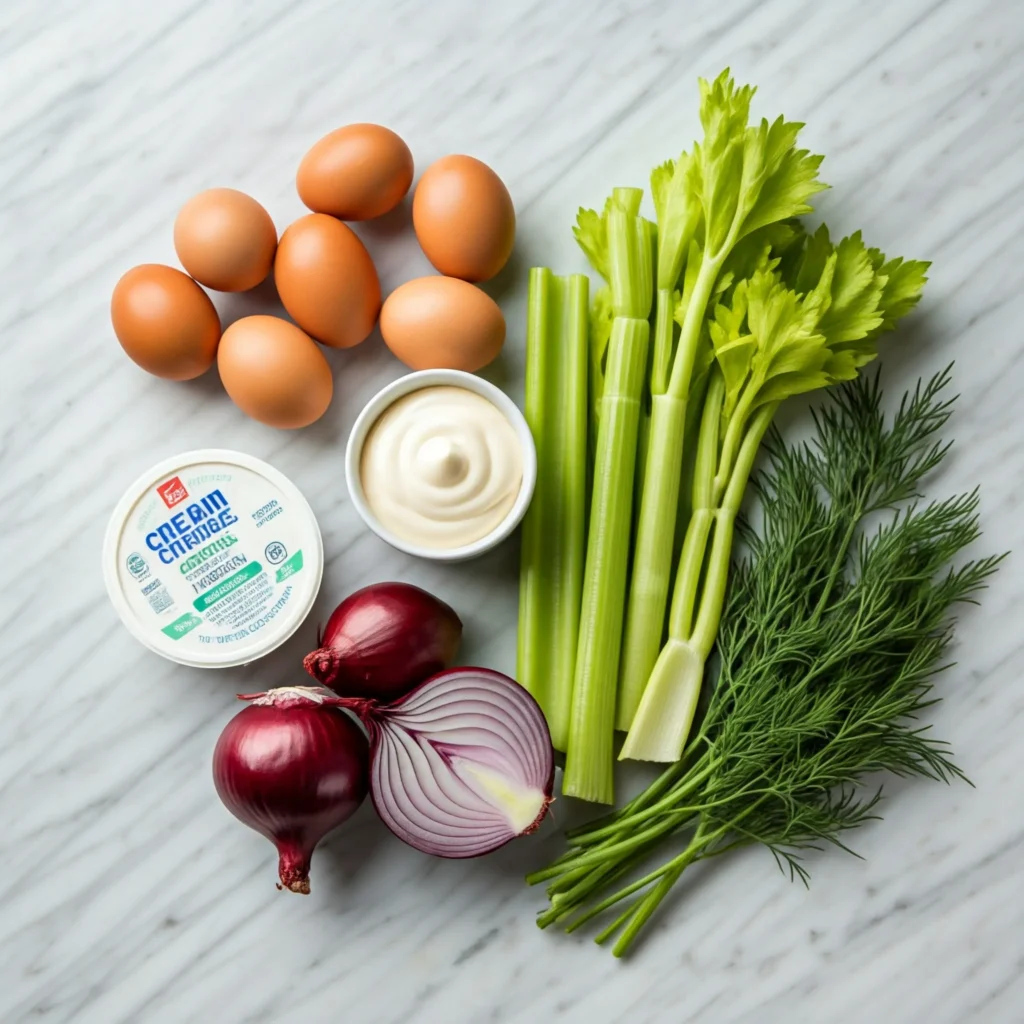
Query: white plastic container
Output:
(440,378)
(212,558)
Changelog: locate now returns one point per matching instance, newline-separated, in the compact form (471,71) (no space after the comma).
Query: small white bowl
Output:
(429,379)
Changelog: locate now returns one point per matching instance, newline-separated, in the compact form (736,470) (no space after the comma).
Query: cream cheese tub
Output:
(212,558)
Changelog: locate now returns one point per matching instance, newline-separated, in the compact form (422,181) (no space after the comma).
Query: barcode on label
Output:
(160,599)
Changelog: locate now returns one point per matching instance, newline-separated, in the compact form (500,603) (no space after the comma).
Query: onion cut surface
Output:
(462,765)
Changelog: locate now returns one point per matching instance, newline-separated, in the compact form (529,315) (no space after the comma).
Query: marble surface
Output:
(127,893)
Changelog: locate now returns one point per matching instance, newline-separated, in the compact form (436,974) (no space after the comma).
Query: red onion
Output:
(462,764)
(292,767)
(383,640)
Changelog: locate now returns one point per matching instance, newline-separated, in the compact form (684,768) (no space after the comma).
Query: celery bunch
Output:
(803,319)
(775,313)
(748,310)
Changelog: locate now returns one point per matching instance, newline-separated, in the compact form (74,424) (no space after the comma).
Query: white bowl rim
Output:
(417,381)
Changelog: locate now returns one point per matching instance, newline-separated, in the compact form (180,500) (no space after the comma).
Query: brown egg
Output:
(356,173)
(274,372)
(225,240)
(435,322)
(165,321)
(464,218)
(327,281)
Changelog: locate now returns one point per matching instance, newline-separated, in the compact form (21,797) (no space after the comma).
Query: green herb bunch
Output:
(833,633)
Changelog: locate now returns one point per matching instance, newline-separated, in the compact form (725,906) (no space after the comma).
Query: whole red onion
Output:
(383,640)
(292,767)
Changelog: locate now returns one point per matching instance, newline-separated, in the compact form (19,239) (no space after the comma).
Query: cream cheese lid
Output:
(212,558)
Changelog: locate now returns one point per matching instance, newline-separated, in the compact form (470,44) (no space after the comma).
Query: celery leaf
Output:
(856,293)
(678,211)
(591,232)
(790,178)
(904,282)
(718,173)
(734,348)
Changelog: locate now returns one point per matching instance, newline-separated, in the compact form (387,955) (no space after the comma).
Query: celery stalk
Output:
(551,572)
(770,341)
(706,202)
(663,719)
(658,508)
(588,764)
(652,559)
(664,331)
(778,312)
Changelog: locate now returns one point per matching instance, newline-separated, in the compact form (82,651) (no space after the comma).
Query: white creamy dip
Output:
(441,467)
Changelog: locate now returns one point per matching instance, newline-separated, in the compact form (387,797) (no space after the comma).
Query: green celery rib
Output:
(664,335)
(630,255)
(652,561)
(588,760)
(588,763)
(533,584)
(713,592)
(659,505)
(663,719)
(551,572)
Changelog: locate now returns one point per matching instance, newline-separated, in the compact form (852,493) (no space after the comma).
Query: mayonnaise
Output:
(441,467)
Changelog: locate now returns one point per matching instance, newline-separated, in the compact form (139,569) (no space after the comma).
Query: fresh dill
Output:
(833,633)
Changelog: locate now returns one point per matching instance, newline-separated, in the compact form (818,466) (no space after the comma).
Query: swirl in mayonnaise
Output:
(441,467)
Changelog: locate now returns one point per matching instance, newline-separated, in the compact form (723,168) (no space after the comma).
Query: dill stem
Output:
(600,854)
(670,776)
(670,874)
(647,907)
(608,932)
(591,878)
(626,822)
(837,565)
(610,901)
(673,869)
(629,824)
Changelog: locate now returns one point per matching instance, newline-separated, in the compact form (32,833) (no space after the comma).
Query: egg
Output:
(442,322)
(225,240)
(357,172)
(464,218)
(327,281)
(165,321)
(274,372)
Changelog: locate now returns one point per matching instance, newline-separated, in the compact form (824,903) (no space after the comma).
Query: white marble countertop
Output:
(127,893)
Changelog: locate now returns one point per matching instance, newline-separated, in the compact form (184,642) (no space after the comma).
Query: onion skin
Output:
(383,640)
(291,767)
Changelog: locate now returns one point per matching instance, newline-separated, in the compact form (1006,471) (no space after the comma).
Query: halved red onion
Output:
(462,764)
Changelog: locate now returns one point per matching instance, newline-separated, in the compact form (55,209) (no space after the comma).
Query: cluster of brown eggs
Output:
(273,368)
